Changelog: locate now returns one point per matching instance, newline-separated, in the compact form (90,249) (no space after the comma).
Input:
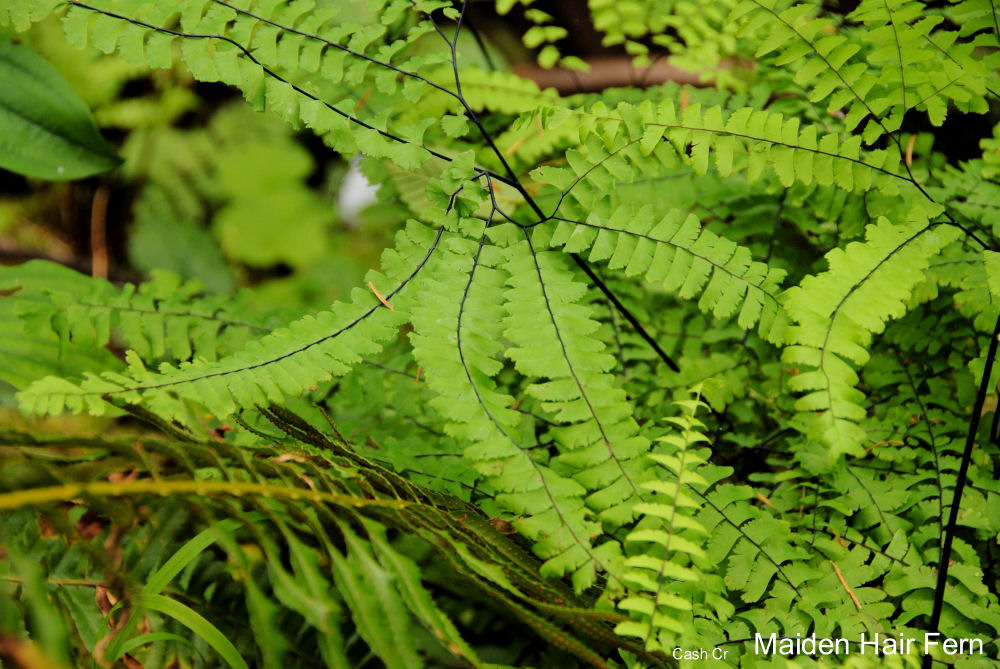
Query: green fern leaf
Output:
(837,313)
(661,587)
(286,362)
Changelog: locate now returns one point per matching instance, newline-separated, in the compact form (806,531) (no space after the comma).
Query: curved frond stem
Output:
(177,314)
(391,370)
(526,450)
(265,69)
(899,52)
(862,543)
(824,347)
(585,266)
(883,522)
(340,47)
(946,54)
(378,305)
(747,537)
(583,176)
(573,372)
(657,240)
(739,135)
(471,488)
(908,177)
(661,574)
(458,331)
(860,98)
(936,91)
(932,442)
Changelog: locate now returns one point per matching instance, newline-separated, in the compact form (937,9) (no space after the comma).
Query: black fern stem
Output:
(963,475)
(629,316)
(513,181)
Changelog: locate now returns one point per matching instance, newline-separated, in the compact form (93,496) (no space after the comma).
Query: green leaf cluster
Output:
(641,369)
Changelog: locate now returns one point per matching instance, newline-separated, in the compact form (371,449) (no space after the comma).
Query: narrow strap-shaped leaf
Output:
(194,622)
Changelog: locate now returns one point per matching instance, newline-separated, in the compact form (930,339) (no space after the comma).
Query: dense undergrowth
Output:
(647,370)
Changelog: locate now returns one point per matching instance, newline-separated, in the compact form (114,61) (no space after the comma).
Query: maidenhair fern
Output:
(495,432)
(666,587)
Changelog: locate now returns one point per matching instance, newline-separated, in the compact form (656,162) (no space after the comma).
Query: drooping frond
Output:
(162,319)
(457,329)
(837,312)
(271,55)
(683,258)
(601,445)
(35,351)
(744,140)
(284,363)
(698,37)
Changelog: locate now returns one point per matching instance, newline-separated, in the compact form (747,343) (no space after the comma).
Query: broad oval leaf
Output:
(46,130)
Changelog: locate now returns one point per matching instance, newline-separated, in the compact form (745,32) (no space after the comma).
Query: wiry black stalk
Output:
(582,264)
(944,560)
(514,182)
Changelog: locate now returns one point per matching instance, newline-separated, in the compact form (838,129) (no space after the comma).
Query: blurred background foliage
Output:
(208,186)
(207,190)
(204,191)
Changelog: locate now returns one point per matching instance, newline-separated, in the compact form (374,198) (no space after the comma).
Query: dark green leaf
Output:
(46,130)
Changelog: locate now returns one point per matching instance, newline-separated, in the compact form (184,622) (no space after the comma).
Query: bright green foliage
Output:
(837,312)
(665,585)
(283,363)
(161,319)
(899,65)
(698,36)
(34,352)
(684,259)
(804,244)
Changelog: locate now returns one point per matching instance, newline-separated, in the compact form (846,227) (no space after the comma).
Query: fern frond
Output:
(751,546)
(221,42)
(284,363)
(33,352)
(601,444)
(973,276)
(22,14)
(978,19)
(768,139)
(662,586)
(907,65)
(920,65)
(160,319)
(626,144)
(682,257)
(457,329)
(836,314)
